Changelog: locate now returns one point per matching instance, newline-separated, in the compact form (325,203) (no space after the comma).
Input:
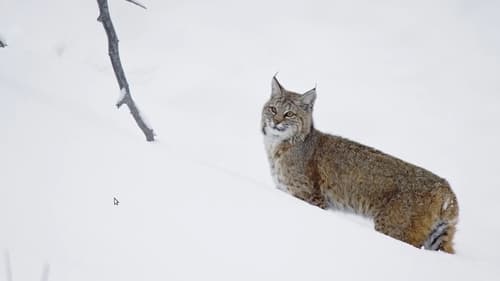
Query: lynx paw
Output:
(314,199)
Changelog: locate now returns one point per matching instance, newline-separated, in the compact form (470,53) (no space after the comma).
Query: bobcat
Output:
(405,202)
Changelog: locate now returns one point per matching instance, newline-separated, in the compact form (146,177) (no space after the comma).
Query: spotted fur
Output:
(406,202)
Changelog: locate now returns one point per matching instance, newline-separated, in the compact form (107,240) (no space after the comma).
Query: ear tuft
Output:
(276,87)
(309,97)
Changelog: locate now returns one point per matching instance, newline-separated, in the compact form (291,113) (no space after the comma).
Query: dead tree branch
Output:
(137,3)
(45,273)
(8,266)
(114,55)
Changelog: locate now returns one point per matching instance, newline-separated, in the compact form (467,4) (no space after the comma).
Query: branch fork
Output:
(114,55)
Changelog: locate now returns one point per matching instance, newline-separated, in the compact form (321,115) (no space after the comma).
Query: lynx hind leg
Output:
(399,219)
(422,219)
(409,217)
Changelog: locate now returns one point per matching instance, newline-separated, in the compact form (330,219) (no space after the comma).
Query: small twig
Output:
(8,267)
(45,273)
(114,55)
(136,3)
(2,44)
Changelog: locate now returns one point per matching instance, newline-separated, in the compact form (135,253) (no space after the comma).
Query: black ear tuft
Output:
(308,98)
(276,88)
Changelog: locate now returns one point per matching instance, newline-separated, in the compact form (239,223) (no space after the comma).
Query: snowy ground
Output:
(416,79)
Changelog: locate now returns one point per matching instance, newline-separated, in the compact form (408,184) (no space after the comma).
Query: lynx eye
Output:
(289,114)
(273,109)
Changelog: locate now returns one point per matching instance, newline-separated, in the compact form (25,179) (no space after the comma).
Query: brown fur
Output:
(406,202)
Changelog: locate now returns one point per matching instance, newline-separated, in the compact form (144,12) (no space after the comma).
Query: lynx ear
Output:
(309,97)
(277,89)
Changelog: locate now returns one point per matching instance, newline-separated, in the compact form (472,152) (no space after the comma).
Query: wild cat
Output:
(406,202)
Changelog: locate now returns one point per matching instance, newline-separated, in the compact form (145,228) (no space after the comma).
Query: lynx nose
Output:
(277,119)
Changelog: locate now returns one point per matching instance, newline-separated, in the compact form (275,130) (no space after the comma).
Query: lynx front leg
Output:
(316,199)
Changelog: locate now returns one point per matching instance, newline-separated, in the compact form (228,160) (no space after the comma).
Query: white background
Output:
(416,79)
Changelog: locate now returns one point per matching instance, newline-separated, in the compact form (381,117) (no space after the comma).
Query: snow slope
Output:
(416,79)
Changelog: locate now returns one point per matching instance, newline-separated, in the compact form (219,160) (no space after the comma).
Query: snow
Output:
(2,41)
(416,79)
(122,94)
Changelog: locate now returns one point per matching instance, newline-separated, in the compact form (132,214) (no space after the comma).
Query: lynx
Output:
(404,201)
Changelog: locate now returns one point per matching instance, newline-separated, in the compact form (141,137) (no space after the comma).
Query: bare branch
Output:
(45,273)
(136,3)
(114,55)
(8,266)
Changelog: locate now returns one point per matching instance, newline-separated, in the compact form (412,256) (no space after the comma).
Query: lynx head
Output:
(288,115)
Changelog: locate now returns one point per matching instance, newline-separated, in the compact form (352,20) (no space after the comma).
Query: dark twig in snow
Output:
(8,267)
(136,3)
(45,273)
(126,97)
(2,44)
